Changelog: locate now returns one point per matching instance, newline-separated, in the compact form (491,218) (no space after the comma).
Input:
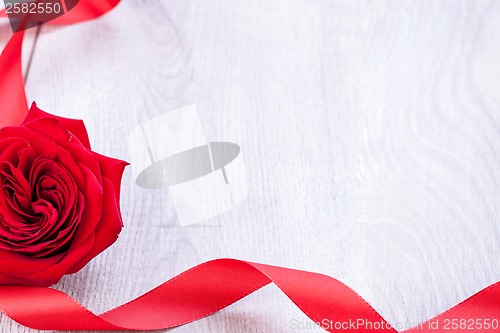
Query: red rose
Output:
(59,201)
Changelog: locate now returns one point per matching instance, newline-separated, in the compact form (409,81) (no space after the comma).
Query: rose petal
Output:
(13,264)
(75,126)
(112,169)
(106,232)
(93,210)
(55,269)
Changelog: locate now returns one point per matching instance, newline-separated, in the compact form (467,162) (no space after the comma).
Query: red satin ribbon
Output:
(13,103)
(214,285)
(211,286)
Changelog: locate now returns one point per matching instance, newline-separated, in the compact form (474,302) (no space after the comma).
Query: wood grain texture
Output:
(370,130)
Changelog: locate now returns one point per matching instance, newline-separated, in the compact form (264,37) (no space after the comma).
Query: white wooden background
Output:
(370,130)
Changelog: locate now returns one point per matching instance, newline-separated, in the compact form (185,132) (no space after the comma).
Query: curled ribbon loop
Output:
(214,285)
